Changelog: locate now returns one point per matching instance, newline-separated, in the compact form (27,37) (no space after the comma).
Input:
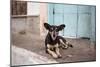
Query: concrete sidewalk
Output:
(22,56)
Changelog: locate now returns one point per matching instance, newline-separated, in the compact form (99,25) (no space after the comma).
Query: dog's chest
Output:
(50,41)
(53,42)
(52,47)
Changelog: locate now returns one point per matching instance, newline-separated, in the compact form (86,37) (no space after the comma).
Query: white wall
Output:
(33,8)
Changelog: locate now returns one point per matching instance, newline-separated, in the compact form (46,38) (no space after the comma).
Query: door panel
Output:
(70,19)
(58,19)
(71,25)
(84,23)
(63,14)
(50,14)
(58,16)
(93,23)
(70,9)
(84,9)
(58,8)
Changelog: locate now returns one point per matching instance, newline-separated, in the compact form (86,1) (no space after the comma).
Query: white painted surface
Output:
(22,56)
(33,8)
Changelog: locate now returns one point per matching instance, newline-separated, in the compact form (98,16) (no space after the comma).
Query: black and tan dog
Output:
(53,41)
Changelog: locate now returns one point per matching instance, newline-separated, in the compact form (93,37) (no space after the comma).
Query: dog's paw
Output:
(59,56)
(55,56)
(65,47)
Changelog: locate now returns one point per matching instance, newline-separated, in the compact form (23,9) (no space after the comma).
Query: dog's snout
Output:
(54,35)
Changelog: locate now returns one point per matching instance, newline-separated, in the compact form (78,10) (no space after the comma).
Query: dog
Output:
(53,41)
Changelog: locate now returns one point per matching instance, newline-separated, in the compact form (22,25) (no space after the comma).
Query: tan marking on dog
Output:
(57,50)
(65,44)
(62,41)
(52,52)
(50,46)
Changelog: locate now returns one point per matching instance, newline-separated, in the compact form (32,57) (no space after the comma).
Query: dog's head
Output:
(53,29)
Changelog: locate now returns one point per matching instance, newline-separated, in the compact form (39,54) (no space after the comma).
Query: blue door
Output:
(63,14)
(77,19)
(55,15)
(50,14)
(84,21)
(70,19)
(58,16)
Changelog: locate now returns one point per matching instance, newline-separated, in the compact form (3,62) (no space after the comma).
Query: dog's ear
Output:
(47,26)
(61,27)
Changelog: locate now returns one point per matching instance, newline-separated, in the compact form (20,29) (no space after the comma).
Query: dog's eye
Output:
(56,29)
(51,29)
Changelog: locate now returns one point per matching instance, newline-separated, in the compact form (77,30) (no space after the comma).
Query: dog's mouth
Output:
(54,35)
(53,38)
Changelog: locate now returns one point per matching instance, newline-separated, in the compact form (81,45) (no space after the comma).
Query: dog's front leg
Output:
(51,52)
(63,44)
(57,51)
